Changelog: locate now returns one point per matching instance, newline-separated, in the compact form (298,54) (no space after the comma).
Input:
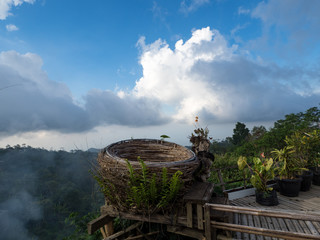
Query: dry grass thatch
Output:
(156,154)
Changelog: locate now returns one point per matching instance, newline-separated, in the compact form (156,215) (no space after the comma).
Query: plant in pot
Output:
(288,167)
(262,173)
(311,141)
(302,144)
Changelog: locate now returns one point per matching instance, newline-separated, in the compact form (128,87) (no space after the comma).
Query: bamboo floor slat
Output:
(307,202)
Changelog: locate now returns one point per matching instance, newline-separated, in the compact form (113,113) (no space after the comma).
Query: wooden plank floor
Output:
(306,202)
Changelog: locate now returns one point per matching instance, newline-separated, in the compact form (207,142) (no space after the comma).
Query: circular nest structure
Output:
(156,155)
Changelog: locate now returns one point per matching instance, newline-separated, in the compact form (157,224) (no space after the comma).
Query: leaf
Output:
(242,161)
(164,136)
(256,161)
(269,164)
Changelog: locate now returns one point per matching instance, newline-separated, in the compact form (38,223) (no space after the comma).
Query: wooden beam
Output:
(143,235)
(263,231)
(186,232)
(97,223)
(128,229)
(156,218)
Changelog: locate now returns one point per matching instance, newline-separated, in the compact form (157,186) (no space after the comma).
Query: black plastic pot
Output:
(267,199)
(275,184)
(316,178)
(306,180)
(290,187)
(316,175)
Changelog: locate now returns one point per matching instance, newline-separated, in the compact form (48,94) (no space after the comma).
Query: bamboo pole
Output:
(306,216)
(263,231)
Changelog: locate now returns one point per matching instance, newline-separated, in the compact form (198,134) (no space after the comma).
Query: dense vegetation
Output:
(260,140)
(52,195)
(40,189)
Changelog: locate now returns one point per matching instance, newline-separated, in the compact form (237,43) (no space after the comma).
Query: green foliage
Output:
(164,137)
(288,165)
(307,121)
(147,194)
(56,183)
(220,147)
(107,188)
(262,172)
(240,134)
(261,140)
(228,174)
(306,146)
(79,223)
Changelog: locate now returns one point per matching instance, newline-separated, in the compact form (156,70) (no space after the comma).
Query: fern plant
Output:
(148,193)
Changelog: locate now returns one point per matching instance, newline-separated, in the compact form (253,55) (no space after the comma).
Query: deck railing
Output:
(214,225)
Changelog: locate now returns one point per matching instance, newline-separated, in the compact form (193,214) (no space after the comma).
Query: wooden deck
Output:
(305,203)
(204,218)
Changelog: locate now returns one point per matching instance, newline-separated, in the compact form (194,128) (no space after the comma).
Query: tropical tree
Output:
(240,134)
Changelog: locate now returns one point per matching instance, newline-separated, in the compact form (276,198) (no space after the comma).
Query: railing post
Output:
(207,221)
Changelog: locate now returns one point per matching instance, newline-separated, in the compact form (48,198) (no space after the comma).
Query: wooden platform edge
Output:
(156,218)
(186,232)
(97,223)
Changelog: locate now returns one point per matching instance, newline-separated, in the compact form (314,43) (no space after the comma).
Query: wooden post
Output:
(104,235)
(189,215)
(207,222)
(109,228)
(200,216)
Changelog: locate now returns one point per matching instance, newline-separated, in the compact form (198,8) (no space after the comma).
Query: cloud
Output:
(6,5)
(242,10)
(30,101)
(203,76)
(208,78)
(188,6)
(289,26)
(11,28)
(159,12)
(122,109)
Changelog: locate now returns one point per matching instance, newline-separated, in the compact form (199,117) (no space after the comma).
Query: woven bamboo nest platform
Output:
(156,155)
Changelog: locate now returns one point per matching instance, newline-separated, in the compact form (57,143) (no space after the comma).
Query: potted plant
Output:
(302,145)
(311,141)
(288,167)
(262,173)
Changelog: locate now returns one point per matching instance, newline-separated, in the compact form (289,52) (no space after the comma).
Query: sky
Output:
(82,74)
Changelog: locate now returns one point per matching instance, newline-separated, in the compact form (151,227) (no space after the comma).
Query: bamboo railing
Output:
(209,224)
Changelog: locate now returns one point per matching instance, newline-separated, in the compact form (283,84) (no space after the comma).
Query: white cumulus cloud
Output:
(6,5)
(204,76)
(11,28)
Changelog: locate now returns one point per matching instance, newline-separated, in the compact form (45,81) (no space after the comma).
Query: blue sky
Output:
(78,74)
